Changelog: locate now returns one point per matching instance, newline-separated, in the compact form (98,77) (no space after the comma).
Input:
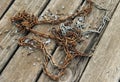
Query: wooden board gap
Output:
(44,8)
(9,59)
(7,9)
(38,76)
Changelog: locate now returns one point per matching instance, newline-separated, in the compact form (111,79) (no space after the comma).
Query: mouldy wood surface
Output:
(104,65)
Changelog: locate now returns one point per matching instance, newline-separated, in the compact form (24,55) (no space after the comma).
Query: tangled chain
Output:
(65,36)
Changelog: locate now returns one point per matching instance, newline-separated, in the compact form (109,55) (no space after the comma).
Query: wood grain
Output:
(78,64)
(8,45)
(23,68)
(3,6)
(104,65)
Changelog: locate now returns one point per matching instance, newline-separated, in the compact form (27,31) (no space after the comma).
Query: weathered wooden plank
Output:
(8,35)
(25,67)
(4,4)
(77,66)
(104,65)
